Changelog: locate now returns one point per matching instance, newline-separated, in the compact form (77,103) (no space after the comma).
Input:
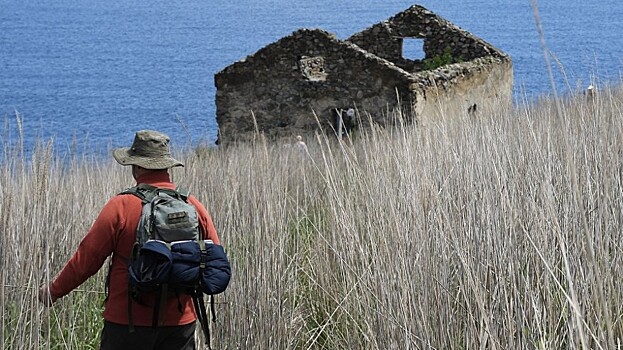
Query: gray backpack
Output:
(167,216)
(170,256)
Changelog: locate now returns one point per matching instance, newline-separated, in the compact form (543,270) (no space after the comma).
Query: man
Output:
(300,144)
(114,232)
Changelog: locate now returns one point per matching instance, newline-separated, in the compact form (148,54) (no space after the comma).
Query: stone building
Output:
(307,80)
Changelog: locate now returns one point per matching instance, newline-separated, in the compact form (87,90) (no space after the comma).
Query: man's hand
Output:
(45,297)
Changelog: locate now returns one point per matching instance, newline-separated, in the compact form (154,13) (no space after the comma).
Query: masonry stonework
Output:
(302,82)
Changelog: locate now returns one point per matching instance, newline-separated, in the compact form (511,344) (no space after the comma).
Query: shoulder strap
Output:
(183,192)
(143,191)
(146,192)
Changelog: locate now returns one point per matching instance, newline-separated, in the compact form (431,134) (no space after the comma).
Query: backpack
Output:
(170,255)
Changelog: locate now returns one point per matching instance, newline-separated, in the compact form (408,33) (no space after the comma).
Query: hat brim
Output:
(124,157)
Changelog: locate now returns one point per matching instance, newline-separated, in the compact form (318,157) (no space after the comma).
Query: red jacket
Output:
(114,232)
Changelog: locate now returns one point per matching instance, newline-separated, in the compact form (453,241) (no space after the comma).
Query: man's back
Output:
(114,231)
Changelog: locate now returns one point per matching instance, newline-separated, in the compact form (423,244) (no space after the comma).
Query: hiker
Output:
(300,144)
(114,232)
(590,93)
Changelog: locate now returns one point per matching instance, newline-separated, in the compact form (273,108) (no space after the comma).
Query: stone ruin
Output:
(308,80)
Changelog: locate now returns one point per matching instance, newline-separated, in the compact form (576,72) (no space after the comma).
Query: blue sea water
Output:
(98,71)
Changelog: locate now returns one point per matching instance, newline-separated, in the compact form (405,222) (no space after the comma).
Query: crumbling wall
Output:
(467,88)
(309,72)
(441,39)
(295,85)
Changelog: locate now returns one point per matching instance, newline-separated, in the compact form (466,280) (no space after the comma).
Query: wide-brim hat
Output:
(150,150)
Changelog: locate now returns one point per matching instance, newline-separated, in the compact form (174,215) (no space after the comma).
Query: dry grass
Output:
(495,233)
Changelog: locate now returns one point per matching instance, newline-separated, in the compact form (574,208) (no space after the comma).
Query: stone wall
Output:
(463,88)
(309,72)
(295,85)
(440,37)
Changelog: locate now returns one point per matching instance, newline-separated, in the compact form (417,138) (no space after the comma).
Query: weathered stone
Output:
(311,73)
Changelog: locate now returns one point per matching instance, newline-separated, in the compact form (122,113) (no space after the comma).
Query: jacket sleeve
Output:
(205,220)
(93,250)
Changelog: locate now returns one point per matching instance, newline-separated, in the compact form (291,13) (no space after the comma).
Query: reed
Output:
(496,232)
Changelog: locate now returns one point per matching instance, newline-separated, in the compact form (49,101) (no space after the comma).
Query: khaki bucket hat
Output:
(150,150)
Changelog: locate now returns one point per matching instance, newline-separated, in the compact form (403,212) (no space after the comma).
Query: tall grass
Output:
(497,232)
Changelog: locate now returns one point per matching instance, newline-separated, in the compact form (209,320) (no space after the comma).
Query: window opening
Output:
(413,49)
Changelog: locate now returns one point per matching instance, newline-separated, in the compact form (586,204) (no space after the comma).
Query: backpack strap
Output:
(202,317)
(143,191)
(130,317)
(212,308)
(198,302)
(160,307)
(183,192)
(147,192)
(107,283)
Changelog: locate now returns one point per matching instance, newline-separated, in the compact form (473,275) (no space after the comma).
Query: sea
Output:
(86,75)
